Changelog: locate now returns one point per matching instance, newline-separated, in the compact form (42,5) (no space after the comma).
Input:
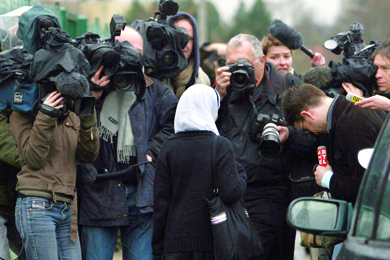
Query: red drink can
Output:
(321,153)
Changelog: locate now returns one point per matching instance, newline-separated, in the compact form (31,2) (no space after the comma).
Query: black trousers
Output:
(267,208)
(188,256)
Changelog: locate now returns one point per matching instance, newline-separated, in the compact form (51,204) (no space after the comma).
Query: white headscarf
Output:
(197,109)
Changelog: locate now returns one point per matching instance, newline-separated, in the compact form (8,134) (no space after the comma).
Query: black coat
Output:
(181,220)
(103,203)
(353,128)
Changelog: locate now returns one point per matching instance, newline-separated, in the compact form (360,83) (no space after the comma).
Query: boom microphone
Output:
(288,37)
(72,84)
(320,76)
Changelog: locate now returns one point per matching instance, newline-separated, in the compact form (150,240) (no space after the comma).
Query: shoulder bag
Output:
(234,236)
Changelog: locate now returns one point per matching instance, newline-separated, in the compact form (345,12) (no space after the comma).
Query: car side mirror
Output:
(320,216)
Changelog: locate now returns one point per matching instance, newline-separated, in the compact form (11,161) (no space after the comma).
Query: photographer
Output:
(193,73)
(266,197)
(381,101)
(133,126)
(49,145)
(50,142)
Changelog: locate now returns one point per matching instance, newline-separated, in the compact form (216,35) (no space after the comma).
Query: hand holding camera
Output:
(99,81)
(52,104)
(222,80)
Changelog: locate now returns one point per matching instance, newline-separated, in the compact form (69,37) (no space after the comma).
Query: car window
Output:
(371,196)
(383,231)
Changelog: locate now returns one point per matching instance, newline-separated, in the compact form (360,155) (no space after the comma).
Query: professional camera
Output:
(243,75)
(263,130)
(30,77)
(121,61)
(357,66)
(163,44)
(62,67)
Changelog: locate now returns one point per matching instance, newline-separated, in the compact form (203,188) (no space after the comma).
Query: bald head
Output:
(132,36)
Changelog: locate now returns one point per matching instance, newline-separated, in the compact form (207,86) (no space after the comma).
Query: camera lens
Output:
(125,81)
(169,59)
(239,79)
(270,146)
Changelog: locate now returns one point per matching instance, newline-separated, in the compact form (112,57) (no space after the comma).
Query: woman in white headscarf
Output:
(181,220)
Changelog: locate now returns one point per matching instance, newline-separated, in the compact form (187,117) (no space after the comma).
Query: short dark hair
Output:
(383,49)
(298,98)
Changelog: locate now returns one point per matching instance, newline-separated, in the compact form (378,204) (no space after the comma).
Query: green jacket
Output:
(9,166)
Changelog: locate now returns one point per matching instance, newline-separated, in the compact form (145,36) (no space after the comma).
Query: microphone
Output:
(110,59)
(72,84)
(320,76)
(288,37)
(322,158)
(353,98)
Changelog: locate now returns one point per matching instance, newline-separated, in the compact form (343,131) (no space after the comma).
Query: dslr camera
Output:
(163,44)
(263,130)
(243,75)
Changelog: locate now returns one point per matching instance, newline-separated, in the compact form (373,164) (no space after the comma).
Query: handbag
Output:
(318,241)
(234,235)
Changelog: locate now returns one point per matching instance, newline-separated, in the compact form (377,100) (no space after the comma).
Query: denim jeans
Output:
(4,248)
(44,227)
(98,243)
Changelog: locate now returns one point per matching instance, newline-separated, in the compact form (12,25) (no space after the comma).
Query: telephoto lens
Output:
(270,146)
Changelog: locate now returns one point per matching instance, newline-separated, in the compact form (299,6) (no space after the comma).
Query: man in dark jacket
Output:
(266,196)
(350,129)
(125,202)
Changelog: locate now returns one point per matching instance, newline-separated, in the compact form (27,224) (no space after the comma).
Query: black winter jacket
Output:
(103,203)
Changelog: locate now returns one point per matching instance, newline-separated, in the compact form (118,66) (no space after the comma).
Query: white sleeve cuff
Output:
(325,182)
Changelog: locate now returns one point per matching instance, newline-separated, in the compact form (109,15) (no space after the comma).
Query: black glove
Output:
(86,173)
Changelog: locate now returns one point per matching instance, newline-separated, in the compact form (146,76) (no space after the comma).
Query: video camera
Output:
(263,130)
(28,74)
(357,66)
(163,44)
(243,75)
(121,61)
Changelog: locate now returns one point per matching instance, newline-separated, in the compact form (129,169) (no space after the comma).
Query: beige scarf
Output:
(179,82)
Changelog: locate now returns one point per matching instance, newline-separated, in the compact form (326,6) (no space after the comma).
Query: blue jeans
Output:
(44,227)
(98,243)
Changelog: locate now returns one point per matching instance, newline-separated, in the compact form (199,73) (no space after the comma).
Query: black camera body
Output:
(263,130)
(243,75)
(163,43)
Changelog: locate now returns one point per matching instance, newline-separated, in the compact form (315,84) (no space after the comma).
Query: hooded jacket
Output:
(28,27)
(198,76)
